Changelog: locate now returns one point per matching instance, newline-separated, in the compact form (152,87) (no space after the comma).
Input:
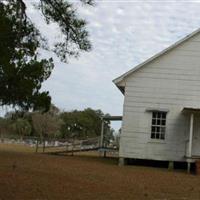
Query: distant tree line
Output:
(54,124)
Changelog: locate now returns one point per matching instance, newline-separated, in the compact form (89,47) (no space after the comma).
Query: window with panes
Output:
(158,126)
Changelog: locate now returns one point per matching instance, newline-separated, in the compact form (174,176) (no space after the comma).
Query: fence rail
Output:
(53,145)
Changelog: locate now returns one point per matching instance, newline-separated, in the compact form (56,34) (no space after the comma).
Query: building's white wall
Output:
(171,82)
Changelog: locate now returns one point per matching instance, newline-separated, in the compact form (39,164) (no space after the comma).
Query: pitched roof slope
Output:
(123,76)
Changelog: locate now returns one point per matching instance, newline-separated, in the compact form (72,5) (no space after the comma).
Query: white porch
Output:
(193,142)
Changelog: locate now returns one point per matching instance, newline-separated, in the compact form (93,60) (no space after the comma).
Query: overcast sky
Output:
(123,33)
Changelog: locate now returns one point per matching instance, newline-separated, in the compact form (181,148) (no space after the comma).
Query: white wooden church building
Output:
(161,113)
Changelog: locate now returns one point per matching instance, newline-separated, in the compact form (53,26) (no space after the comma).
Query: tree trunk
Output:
(1,136)
(43,145)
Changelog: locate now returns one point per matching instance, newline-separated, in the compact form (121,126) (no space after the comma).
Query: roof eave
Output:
(120,87)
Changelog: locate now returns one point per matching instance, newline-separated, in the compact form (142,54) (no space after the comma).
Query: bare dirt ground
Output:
(25,175)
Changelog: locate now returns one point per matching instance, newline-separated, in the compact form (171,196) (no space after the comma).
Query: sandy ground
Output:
(26,175)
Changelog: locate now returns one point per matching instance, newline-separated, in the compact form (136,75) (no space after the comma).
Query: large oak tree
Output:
(21,71)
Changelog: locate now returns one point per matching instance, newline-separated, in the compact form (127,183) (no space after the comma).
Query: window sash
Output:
(158,125)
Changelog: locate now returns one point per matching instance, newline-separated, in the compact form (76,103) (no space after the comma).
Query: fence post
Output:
(36,149)
(72,153)
(81,142)
(67,148)
(104,153)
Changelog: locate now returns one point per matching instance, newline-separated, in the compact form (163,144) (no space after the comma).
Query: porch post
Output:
(102,132)
(190,139)
(191,135)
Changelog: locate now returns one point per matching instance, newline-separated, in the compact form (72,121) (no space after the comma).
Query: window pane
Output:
(153,135)
(154,114)
(159,115)
(162,130)
(162,136)
(153,129)
(153,121)
(157,129)
(163,122)
(158,121)
(157,136)
(164,115)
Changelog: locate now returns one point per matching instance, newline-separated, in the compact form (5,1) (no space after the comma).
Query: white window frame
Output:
(158,125)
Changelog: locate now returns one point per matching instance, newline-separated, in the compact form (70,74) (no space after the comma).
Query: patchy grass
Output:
(26,175)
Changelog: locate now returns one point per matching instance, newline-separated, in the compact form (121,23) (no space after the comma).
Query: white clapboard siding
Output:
(172,82)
